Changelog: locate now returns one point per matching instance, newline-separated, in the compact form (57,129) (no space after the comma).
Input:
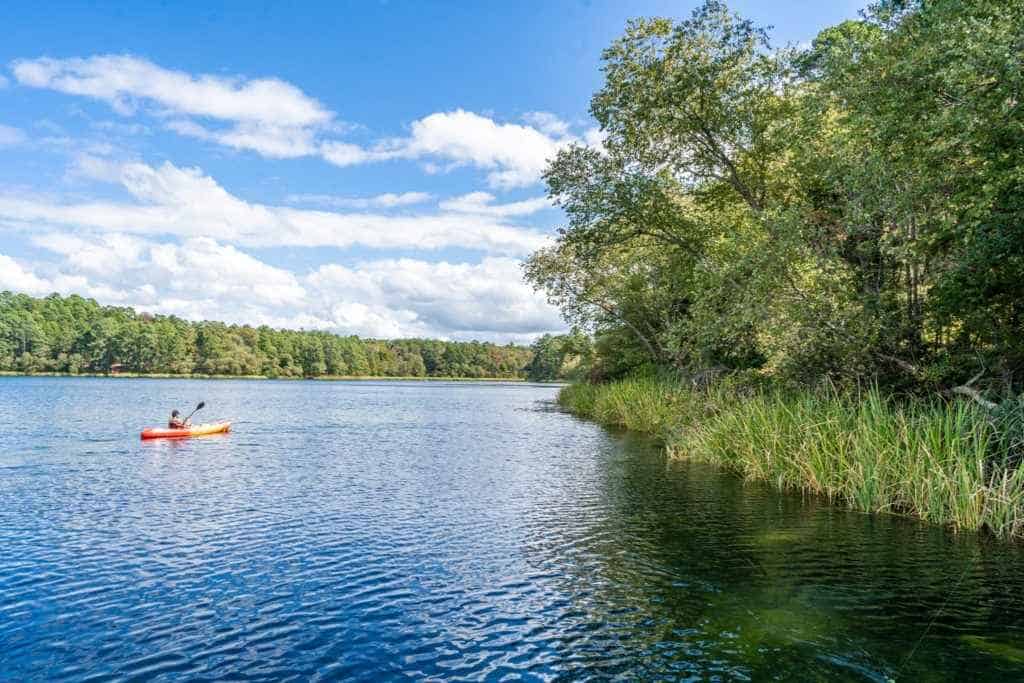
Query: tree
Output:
(848,211)
(693,115)
(546,364)
(71,334)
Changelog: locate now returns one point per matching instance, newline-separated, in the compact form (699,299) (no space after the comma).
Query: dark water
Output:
(376,531)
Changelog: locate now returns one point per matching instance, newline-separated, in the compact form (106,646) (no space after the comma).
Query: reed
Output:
(945,462)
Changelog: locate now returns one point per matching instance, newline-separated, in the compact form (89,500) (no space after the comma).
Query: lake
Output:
(462,531)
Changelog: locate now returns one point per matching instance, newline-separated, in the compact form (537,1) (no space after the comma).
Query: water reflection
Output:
(693,572)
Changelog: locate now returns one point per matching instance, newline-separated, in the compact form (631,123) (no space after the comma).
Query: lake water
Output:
(389,530)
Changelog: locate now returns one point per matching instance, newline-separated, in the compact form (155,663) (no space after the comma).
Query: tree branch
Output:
(966,389)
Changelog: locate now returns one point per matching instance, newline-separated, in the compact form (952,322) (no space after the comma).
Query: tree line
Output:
(77,335)
(846,211)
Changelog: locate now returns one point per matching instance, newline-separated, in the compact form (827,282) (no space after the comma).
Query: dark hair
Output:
(174,413)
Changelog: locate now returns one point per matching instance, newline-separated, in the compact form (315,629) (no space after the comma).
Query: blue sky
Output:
(368,168)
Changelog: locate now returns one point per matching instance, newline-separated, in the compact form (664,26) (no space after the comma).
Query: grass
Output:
(942,462)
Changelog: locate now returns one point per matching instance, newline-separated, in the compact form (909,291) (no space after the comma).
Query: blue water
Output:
(387,531)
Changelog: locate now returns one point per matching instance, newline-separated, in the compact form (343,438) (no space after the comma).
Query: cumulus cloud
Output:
(202,266)
(266,115)
(186,202)
(276,119)
(547,123)
(121,80)
(197,269)
(201,278)
(480,203)
(388,200)
(95,168)
(347,154)
(276,142)
(16,278)
(10,136)
(513,155)
(106,255)
(19,276)
(487,299)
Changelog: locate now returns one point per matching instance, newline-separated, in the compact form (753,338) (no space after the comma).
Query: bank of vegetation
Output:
(947,463)
(74,335)
(807,263)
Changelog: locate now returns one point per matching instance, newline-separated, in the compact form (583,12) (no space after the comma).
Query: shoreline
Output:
(942,463)
(322,378)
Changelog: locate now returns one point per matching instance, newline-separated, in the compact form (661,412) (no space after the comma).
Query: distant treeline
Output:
(77,335)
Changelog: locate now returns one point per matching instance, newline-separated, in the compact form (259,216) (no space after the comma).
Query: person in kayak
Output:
(176,422)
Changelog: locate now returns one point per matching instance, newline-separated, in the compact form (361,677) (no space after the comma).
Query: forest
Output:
(77,335)
(850,211)
(805,263)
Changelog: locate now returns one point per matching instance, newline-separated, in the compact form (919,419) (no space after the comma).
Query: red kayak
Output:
(198,430)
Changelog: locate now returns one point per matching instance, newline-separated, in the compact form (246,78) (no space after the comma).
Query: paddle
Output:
(198,407)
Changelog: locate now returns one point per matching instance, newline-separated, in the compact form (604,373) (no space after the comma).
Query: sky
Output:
(369,168)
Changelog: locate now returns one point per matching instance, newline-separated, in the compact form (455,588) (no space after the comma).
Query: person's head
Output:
(174,413)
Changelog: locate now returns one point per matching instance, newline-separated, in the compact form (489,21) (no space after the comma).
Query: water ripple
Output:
(350,531)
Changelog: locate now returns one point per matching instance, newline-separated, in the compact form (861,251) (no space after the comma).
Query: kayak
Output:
(197,430)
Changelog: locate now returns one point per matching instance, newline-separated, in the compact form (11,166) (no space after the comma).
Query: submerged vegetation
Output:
(947,463)
(769,231)
(74,335)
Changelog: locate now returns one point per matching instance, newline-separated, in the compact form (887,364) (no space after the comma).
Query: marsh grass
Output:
(945,462)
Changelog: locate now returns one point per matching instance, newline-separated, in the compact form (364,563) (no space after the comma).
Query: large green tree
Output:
(850,211)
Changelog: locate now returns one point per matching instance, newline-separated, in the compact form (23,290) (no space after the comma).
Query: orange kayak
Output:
(197,430)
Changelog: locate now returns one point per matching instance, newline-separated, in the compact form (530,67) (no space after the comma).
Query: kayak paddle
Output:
(198,407)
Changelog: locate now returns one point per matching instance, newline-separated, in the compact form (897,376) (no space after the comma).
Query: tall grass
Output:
(943,462)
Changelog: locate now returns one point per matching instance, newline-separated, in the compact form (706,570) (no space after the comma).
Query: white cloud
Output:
(276,142)
(10,136)
(479,203)
(266,115)
(201,266)
(3,82)
(122,80)
(15,278)
(547,123)
(460,299)
(201,278)
(120,128)
(155,275)
(513,155)
(388,200)
(276,119)
(95,168)
(108,255)
(185,202)
(346,154)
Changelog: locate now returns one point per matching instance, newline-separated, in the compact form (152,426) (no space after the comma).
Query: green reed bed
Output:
(944,462)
